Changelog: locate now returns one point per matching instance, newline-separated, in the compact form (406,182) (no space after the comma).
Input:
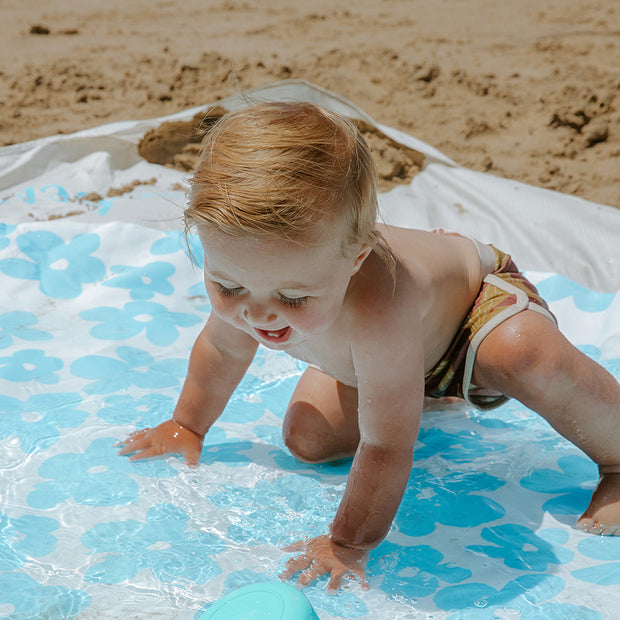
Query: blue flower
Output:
(162,543)
(217,450)
(413,571)
(136,367)
(558,287)
(159,323)
(19,324)
(607,549)
(198,292)
(459,447)
(566,484)
(5,230)
(30,599)
(175,241)
(521,548)
(62,268)
(450,500)
(36,420)
(171,243)
(30,365)
(526,594)
(96,477)
(145,412)
(279,511)
(143,282)
(25,537)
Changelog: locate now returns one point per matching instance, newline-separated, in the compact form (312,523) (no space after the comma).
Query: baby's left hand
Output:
(320,556)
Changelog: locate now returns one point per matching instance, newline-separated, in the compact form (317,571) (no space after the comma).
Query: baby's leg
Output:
(321,419)
(529,359)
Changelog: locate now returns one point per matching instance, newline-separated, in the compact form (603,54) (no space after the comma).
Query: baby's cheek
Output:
(316,320)
(223,308)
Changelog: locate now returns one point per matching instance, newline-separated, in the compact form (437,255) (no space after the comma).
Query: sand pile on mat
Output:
(177,144)
(525,89)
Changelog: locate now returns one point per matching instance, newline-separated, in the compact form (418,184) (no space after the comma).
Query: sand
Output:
(525,89)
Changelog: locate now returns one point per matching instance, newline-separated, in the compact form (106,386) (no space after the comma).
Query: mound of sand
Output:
(177,144)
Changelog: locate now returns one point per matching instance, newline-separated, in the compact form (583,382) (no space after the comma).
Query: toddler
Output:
(284,202)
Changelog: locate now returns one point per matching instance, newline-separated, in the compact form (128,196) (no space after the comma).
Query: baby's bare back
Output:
(442,275)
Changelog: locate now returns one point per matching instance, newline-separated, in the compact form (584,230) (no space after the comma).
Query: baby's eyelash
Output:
(229,292)
(293,302)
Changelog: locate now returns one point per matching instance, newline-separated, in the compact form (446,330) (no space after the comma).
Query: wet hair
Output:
(277,169)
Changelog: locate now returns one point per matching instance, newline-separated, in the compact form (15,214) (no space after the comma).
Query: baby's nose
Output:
(259,314)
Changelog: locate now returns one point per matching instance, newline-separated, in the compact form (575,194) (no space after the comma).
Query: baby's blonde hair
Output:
(280,168)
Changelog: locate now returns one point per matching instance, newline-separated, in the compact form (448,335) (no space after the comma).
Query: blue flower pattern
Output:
(277,512)
(415,571)
(125,385)
(48,412)
(135,367)
(95,477)
(527,595)
(162,543)
(5,231)
(458,447)
(570,496)
(25,537)
(606,551)
(521,548)
(30,599)
(144,412)
(457,500)
(30,365)
(61,268)
(19,324)
(159,324)
(143,282)
(558,287)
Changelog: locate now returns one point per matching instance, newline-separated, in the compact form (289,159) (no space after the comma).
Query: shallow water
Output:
(485,529)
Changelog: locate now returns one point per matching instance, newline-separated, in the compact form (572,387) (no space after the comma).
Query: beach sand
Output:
(525,89)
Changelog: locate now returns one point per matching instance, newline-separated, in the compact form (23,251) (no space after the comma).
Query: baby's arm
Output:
(219,359)
(391,393)
(390,405)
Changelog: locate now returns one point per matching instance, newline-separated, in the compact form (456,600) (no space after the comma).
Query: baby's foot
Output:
(603,514)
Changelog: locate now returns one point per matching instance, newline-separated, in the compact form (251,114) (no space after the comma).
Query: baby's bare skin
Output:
(374,339)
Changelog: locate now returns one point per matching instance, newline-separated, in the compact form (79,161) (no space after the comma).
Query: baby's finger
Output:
(147,453)
(308,576)
(192,458)
(335,579)
(132,437)
(135,446)
(361,575)
(293,565)
(299,545)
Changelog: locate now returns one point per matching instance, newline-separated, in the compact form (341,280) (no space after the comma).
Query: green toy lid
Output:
(262,601)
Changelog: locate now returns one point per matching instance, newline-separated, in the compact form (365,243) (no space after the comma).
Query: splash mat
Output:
(100,306)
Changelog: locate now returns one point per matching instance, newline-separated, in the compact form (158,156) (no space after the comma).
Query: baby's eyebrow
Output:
(298,287)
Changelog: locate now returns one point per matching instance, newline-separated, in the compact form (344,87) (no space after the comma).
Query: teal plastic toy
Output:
(262,601)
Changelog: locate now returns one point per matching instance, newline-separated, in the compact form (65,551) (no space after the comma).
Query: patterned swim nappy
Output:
(504,293)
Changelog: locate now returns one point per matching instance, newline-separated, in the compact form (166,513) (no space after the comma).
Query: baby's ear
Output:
(362,255)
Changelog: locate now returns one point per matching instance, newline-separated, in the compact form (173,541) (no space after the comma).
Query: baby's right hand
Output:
(167,438)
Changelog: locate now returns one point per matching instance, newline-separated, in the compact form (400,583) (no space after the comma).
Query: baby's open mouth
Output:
(275,336)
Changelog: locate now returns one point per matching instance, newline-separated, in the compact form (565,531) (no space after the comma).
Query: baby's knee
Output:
(298,435)
(302,448)
(526,350)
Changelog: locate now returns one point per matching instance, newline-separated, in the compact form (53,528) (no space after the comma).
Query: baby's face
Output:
(279,292)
